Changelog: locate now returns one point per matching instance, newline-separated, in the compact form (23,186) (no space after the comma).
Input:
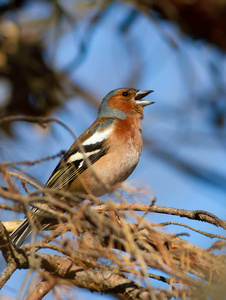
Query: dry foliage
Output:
(107,247)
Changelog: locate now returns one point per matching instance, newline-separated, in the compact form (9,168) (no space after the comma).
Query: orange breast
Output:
(116,166)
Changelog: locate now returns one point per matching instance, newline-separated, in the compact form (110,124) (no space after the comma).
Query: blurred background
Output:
(60,58)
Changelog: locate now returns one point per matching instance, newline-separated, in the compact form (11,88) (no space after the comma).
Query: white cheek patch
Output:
(79,156)
(98,137)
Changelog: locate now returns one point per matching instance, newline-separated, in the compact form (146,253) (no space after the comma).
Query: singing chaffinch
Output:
(112,145)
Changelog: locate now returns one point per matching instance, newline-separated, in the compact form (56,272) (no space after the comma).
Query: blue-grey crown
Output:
(106,111)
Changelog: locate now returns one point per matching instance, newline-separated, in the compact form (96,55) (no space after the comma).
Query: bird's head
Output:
(123,102)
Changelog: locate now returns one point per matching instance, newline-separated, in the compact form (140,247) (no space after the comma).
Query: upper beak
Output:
(139,98)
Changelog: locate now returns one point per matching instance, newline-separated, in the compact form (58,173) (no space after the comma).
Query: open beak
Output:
(139,98)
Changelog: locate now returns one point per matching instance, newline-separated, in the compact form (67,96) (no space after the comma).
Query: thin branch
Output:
(198,215)
(39,120)
(33,162)
(15,208)
(7,273)
(41,289)
(12,258)
(24,179)
(210,235)
(10,226)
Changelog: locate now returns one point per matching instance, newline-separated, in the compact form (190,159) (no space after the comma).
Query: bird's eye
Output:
(125,94)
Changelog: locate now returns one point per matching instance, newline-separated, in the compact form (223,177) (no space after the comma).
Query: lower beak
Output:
(139,98)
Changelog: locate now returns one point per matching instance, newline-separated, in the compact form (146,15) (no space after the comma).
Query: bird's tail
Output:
(21,233)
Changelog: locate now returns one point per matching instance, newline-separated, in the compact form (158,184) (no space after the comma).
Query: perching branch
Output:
(198,215)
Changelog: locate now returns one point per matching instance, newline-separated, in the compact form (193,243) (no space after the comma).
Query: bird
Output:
(102,157)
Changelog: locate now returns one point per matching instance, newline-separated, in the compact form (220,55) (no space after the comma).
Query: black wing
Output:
(73,164)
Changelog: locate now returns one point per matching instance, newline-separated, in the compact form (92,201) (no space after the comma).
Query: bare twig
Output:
(41,289)
(39,120)
(198,215)
(10,255)
(33,162)
(211,235)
